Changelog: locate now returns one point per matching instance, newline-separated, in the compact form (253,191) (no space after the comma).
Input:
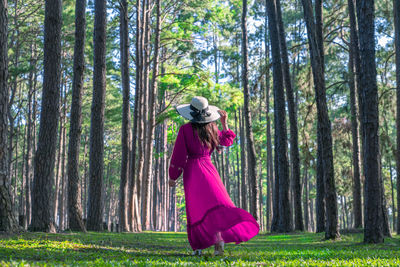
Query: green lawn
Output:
(172,249)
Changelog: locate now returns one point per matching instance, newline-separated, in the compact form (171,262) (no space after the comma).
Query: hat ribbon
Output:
(199,115)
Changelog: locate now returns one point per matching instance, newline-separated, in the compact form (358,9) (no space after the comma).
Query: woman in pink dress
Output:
(212,218)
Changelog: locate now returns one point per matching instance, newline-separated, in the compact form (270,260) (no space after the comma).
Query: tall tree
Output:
(30,137)
(74,202)
(133,213)
(43,181)
(8,221)
(96,164)
(320,197)
(141,90)
(396,11)
(315,39)
(354,83)
(373,219)
(243,163)
(151,119)
(294,140)
(125,135)
(251,155)
(270,167)
(282,221)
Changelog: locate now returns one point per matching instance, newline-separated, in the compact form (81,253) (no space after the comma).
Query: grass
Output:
(172,249)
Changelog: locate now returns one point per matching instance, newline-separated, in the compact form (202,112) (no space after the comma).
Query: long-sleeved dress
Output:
(209,209)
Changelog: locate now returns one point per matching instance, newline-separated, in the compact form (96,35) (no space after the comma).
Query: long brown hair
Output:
(208,134)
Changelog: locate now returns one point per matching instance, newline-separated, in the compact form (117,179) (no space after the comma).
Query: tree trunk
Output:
(156,207)
(125,135)
(144,196)
(74,202)
(42,193)
(96,165)
(373,221)
(357,210)
(251,155)
(396,11)
(85,178)
(21,201)
(392,191)
(227,171)
(164,172)
(8,221)
(29,143)
(17,51)
(61,225)
(62,194)
(306,204)
(315,38)
(294,144)
(140,126)
(385,216)
(320,198)
(133,217)
(312,221)
(283,223)
(58,170)
(238,194)
(151,120)
(270,167)
(243,163)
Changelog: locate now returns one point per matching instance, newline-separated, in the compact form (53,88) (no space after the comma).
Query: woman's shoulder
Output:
(186,125)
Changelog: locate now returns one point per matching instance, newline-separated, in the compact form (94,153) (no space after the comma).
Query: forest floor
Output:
(172,249)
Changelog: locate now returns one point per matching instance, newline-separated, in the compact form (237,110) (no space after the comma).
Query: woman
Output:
(212,218)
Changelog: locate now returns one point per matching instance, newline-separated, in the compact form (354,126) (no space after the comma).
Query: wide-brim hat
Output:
(199,110)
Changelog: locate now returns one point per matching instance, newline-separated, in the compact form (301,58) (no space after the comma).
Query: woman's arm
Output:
(178,158)
(226,136)
(224,119)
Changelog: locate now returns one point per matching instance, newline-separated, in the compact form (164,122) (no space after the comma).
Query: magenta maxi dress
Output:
(209,209)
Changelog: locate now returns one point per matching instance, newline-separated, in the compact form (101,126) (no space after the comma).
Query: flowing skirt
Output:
(209,208)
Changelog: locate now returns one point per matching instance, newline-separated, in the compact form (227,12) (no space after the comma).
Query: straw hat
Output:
(199,111)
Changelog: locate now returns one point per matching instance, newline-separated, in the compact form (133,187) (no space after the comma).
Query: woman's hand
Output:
(223,119)
(172,183)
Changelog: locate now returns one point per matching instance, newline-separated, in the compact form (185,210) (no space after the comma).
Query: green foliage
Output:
(172,249)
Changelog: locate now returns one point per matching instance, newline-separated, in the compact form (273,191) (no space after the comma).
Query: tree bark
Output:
(357,209)
(29,141)
(294,143)
(270,167)
(315,38)
(320,198)
(306,204)
(58,170)
(251,155)
(396,11)
(61,208)
(141,113)
(74,202)
(125,135)
(96,164)
(243,163)
(151,120)
(8,221)
(42,193)
(133,217)
(373,219)
(392,193)
(283,223)
(238,194)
